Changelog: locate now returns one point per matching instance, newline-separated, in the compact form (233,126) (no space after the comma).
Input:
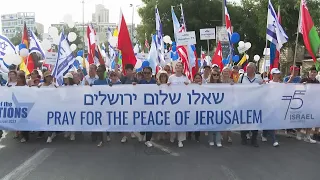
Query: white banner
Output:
(207,34)
(160,108)
(186,38)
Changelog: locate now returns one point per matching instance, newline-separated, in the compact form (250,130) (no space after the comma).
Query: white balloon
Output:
(256,58)
(16,59)
(247,45)
(247,56)
(138,64)
(73,47)
(170,42)
(241,44)
(79,58)
(12,59)
(167,39)
(24,52)
(53,31)
(71,24)
(72,36)
(113,41)
(46,45)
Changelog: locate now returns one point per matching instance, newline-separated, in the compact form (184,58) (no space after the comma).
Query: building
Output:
(13,23)
(101,14)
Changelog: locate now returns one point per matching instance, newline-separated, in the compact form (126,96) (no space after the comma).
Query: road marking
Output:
(165,149)
(29,165)
(229,173)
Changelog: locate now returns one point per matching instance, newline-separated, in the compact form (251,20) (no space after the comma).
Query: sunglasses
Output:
(215,74)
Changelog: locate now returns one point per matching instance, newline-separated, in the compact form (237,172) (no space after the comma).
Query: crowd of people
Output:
(98,75)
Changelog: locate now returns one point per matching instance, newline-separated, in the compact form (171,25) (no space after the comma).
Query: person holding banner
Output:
(92,76)
(21,81)
(275,72)
(162,79)
(33,76)
(249,78)
(225,78)
(206,74)
(148,79)
(197,79)
(215,78)
(12,78)
(178,79)
(100,81)
(47,83)
(312,80)
(294,76)
(129,78)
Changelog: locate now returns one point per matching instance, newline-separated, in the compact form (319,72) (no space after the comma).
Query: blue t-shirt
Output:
(101,82)
(296,79)
(152,81)
(118,82)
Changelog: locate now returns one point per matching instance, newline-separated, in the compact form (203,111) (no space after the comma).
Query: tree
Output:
(16,40)
(67,30)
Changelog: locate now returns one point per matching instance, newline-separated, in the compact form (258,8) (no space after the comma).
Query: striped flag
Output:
(182,50)
(274,52)
(227,20)
(275,32)
(159,38)
(91,36)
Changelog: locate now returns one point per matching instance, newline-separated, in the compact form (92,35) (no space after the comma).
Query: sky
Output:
(52,11)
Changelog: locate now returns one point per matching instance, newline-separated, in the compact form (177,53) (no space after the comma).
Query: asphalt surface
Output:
(82,160)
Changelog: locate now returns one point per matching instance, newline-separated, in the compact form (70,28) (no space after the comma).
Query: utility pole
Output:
(83,27)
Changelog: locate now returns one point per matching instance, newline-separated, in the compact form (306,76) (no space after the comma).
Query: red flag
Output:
(195,69)
(309,32)
(25,37)
(91,36)
(217,57)
(125,45)
(25,40)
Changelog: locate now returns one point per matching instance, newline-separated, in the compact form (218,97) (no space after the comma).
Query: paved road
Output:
(82,160)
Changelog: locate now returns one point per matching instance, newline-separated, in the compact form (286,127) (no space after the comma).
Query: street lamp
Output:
(132,18)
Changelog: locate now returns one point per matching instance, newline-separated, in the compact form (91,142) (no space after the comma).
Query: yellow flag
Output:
(243,60)
(115,33)
(23,67)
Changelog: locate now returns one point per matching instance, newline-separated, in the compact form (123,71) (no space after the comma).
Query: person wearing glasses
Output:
(148,79)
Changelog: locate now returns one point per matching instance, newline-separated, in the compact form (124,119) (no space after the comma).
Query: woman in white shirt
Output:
(178,79)
(48,83)
(12,78)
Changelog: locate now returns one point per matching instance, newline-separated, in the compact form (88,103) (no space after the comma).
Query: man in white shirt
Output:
(275,75)
(92,76)
(249,78)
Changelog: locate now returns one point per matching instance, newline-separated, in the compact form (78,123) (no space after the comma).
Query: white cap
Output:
(275,71)
(214,65)
(68,75)
(241,71)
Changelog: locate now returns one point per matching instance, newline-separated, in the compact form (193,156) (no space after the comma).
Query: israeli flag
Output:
(275,32)
(35,45)
(65,59)
(6,47)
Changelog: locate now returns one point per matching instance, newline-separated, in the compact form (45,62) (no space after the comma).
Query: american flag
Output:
(182,50)
(146,44)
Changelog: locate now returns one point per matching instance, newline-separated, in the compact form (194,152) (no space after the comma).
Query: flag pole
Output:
(297,39)
(83,43)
